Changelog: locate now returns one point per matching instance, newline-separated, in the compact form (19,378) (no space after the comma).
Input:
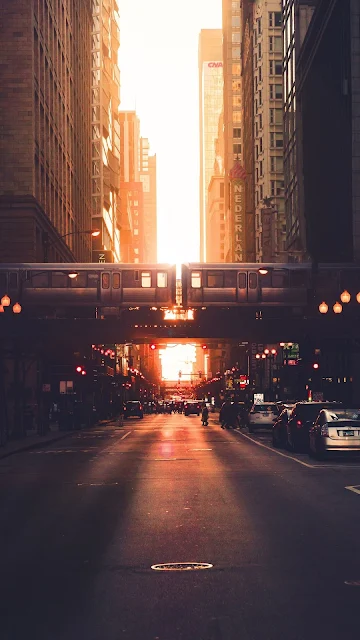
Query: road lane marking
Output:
(284,455)
(199,449)
(354,488)
(125,435)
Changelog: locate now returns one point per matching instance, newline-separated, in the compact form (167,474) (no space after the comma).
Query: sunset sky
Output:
(159,78)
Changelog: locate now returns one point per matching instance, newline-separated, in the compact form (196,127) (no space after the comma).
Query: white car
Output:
(262,415)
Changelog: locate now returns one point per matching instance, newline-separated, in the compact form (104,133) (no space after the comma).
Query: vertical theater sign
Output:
(237,177)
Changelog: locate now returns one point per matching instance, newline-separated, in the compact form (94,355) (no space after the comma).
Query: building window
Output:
(237,132)
(261,168)
(260,98)
(235,69)
(260,74)
(276,68)
(237,148)
(276,140)
(260,145)
(222,190)
(276,116)
(259,50)
(276,187)
(260,121)
(275,44)
(276,164)
(136,232)
(276,92)
(236,101)
(236,116)
(235,37)
(261,192)
(235,21)
(236,53)
(258,24)
(236,86)
(275,19)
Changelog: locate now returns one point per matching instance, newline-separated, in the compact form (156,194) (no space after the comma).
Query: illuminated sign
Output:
(237,205)
(215,65)
(179,314)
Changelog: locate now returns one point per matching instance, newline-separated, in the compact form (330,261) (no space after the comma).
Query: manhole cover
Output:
(181,566)
(353,583)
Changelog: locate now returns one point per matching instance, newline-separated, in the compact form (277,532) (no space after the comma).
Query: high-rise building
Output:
(247,78)
(268,132)
(328,98)
(233,113)
(129,146)
(45,130)
(210,108)
(148,179)
(105,88)
(296,17)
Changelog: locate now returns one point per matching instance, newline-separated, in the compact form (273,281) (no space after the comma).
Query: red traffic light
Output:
(315,365)
(204,346)
(79,369)
(153,347)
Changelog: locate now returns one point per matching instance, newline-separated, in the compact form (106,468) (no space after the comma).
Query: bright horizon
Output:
(159,79)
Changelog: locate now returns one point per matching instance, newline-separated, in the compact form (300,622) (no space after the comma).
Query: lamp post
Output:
(337,308)
(94,233)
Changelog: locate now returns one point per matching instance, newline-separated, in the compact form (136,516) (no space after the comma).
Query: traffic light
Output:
(81,370)
(315,365)
(204,346)
(153,347)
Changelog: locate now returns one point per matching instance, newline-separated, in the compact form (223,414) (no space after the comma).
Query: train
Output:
(265,285)
(202,284)
(86,284)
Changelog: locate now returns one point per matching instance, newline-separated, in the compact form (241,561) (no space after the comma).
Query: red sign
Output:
(215,64)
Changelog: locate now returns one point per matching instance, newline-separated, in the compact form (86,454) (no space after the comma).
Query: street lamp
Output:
(46,245)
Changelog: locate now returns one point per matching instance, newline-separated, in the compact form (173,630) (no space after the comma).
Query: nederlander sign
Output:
(237,177)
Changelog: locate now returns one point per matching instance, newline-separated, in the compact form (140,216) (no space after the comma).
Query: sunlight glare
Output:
(175,358)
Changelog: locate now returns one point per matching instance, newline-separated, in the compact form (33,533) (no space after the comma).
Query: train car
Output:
(289,284)
(86,284)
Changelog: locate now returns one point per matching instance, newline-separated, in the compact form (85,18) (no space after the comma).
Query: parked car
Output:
(133,408)
(301,420)
(262,416)
(279,428)
(192,407)
(335,431)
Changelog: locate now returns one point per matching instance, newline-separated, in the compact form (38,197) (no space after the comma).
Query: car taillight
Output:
(324,430)
(298,424)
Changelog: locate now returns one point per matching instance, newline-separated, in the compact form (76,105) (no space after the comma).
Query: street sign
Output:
(258,398)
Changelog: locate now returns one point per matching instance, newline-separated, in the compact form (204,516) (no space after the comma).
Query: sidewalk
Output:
(32,440)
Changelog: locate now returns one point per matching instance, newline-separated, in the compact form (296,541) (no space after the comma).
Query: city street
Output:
(84,520)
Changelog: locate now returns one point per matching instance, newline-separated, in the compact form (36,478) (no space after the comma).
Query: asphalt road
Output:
(85,519)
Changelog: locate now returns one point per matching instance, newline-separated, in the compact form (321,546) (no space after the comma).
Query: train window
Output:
(279,279)
(93,278)
(146,279)
(116,280)
(161,279)
(230,278)
(3,285)
(215,279)
(38,279)
(242,280)
(59,280)
(136,275)
(299,278)
(80,281)
(105,280)
(13,280)
(253,280)
(265,280)
(196,279)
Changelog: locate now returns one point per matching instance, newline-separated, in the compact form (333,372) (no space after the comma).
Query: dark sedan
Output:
(133,408)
